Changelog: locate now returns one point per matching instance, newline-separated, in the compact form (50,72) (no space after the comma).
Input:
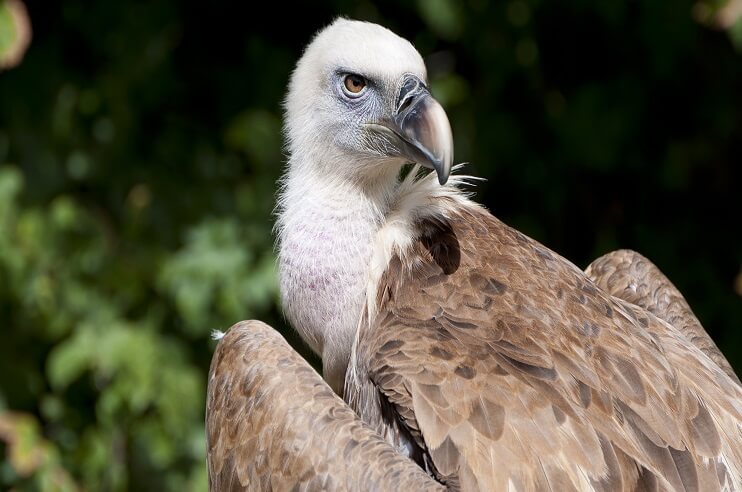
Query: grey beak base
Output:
(420,131)
(423,123)
(425,127)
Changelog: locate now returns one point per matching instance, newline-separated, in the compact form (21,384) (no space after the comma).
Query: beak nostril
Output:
(410,88)
(405,104)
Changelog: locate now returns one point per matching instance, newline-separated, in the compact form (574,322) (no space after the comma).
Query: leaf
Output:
(69,360)
(15,33)
(30,455)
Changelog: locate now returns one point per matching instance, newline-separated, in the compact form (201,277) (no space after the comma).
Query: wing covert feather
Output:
(272,423)
(630,276)
(515,370)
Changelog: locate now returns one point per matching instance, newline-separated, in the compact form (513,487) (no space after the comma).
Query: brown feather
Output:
(511,367)
(630,276)
(272,423)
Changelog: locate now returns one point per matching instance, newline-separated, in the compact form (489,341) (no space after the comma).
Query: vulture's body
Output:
(475,352)
(508,367)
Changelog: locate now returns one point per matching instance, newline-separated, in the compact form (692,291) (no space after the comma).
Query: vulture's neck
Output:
(326,230)
(335,239)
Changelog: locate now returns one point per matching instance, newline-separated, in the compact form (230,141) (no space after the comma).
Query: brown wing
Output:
(630,276)
(272,423)
(511,368)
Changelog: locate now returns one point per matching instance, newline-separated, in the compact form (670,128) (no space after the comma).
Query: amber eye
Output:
(354,84)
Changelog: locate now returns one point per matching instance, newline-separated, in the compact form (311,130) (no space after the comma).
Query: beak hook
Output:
(422,124)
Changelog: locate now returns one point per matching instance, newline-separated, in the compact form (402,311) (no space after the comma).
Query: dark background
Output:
(139,147)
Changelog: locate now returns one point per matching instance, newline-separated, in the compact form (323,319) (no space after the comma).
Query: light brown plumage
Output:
(504,364)
(509,366)
(272,423)
(489,360)
(632,277)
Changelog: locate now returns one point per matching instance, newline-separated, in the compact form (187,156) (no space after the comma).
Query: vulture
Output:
(457,353)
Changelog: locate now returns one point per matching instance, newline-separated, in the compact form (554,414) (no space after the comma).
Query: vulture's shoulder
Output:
(508,365)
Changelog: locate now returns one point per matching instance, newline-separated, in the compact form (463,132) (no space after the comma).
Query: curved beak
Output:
(419,130)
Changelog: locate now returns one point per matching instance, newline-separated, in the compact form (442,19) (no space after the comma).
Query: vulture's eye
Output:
(354,85)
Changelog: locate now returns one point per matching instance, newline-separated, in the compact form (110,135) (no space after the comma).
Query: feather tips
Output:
(260,436)
(540,379)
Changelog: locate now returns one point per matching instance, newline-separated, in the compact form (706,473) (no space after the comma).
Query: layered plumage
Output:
(463,345)
(508,366)
(274,424)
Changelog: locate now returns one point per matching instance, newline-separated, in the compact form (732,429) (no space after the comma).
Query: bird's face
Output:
(358,98)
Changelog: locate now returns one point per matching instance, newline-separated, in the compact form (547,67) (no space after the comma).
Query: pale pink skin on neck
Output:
(325,252)
(335,241)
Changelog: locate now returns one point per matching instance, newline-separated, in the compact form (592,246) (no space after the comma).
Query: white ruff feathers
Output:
(416,198)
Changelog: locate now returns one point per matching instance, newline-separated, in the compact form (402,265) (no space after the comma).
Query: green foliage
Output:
(29,453)
(140,144)
(139,375)
(443,16)
(214,274)
(15,32)
(7,29)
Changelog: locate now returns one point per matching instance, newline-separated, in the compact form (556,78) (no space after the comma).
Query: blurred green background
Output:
(139,147)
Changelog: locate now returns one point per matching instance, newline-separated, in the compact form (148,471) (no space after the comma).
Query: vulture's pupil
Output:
(354,83)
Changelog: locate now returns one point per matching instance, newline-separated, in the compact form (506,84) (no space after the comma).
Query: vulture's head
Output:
(358,106)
